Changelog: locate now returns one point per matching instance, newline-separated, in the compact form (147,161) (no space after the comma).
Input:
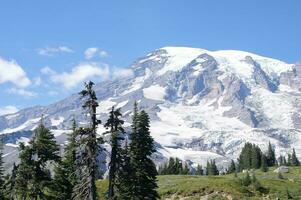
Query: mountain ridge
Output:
(203,104)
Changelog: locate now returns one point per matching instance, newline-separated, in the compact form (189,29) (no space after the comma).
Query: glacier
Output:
(202,104)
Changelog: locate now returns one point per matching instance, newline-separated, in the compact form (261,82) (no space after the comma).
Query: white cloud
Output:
(10,71)
(47,71)
(93,51)
(8,110)
(103,54)
(122,73)
(50,51)
(22,92)
(81,73)
(37,81)
(90,52)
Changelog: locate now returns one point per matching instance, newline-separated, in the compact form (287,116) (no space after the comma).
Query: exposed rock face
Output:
(292,78)
(203,104)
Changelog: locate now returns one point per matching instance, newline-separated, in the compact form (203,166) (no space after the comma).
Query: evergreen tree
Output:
(213,168)
(208,168)
(171,166)
(9,186)
(199,170)
(125,176)
(271,158)
(264,163)
(244,159)
(88,149)
(255,157)
(178,166)
(141,148)
(250,157)
(289,160)
(232,167)
(295,161)
(114,123)
(64,178)
(246,181)
(33,178)
(45,150)
(186,169)
(24,172)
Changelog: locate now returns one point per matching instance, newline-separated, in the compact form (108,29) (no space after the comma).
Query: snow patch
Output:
(57,121)
(154,92)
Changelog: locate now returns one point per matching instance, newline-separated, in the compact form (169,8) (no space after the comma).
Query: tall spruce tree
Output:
(199,170)
(89,149)
(271,158)
(125,174)
(208,168)
(213,168)
(25,172)
(264,163)
(45,150)
(9,187)
(232,167)
(33,178)
(255,157)
(295,161)
(114,123)
(64,178)
(289,159)
(141,148)
(250,157)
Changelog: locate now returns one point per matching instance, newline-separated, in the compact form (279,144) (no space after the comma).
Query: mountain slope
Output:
(203,104)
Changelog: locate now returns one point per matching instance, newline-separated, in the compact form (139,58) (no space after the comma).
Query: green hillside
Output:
(270,186)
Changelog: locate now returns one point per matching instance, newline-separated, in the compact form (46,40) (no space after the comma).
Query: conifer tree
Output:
(125,176)
(213,168)
(88,150)
(141,148)
(45,150)
(289,160)
(295,161)
(255,157)
(232,167)
(271,158)
(9,187)
(24,172)
(199,170)
(178,166)
(208,168)
(264,163)
(33,178)
(64,178)
(114,123)
(186,169)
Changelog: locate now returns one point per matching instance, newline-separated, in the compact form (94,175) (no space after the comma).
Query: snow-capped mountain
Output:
(203,104)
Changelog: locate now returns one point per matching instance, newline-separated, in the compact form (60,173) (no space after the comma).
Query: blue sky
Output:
(43,43)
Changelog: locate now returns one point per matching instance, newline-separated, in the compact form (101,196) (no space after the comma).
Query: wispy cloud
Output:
(50,51)
(94,51)
(22,92)
(10,71)
(47,71)
(81,73)
(8,110)
(122,73)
